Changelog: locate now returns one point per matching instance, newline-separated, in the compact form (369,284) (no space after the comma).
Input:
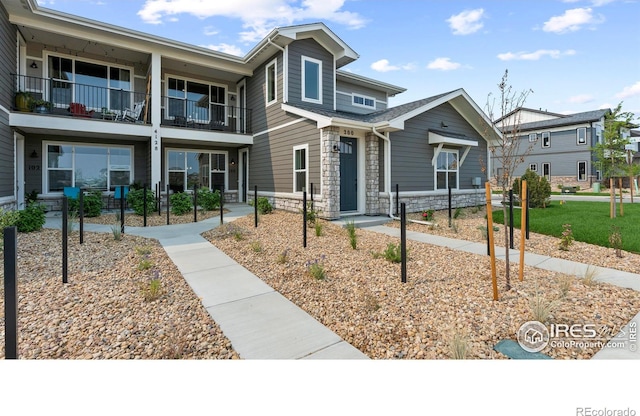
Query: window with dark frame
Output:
(581,135)
(546,139)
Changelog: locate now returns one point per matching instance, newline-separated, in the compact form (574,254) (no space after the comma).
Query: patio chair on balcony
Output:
(133,115)
(80,110)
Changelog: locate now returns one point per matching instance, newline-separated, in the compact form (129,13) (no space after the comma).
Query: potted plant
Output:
(23,100)
(41,106)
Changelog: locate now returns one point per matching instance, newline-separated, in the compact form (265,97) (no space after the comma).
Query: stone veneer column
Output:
(372,174)
(330,172)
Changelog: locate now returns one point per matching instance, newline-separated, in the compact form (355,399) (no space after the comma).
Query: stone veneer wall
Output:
(330,161)
(372,177)
(417,203)
(7,206)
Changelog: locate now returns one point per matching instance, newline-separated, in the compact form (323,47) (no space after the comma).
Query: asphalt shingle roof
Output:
(570,119)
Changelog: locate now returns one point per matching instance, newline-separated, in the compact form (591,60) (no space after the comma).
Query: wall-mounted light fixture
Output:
(34,65)
(336,148)
(233,162)
(233,98)
(443,125)
(34,155)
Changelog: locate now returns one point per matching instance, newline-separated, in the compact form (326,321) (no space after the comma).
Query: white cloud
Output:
(571,21)
(629,91)
(443,64)
(226,48)
(383,66)
(210,31)
(534,56)
(258,16)
(466,22)
(581,99)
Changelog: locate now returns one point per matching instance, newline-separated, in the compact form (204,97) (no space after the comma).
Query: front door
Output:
(19,190)
(348,174)
(244,174)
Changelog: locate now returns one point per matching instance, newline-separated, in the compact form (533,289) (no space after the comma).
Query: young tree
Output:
(610,153)
(506,153)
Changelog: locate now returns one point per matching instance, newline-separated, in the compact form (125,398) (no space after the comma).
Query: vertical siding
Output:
(312,49)
(411,152)
(7,66)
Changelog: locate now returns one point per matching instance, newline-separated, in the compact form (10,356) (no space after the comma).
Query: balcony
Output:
(205,115)
(49,96)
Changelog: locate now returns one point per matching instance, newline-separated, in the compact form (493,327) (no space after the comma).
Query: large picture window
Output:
(447,170)
(195,101)
(311,80)
(188,168)
(300,171)
(87,166)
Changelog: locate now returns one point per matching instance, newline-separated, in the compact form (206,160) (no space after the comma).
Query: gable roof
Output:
(566,120)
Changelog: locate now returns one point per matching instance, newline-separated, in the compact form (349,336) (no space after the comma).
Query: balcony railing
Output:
(60,97)
(204,115)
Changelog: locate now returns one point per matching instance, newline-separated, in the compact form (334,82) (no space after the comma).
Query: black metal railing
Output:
(60,97)
(203,115)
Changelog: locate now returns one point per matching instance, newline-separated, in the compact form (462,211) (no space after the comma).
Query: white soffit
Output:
(435,138)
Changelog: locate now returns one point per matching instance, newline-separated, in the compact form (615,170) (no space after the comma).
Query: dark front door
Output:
(348,174)
(245,174)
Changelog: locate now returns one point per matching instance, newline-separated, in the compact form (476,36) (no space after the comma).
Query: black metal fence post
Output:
(221,206)
(450,207)
(10,293)
(311,196)
(168,203)
(144,205)
(403,242)
(511,218)
(159,193)
(65,220)
(304,219)
(195,202)
(122,209)
(255,205)
(81,214)
(527,216)
(397,200)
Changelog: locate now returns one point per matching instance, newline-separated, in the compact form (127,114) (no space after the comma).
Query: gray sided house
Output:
(126,107)
(556,146)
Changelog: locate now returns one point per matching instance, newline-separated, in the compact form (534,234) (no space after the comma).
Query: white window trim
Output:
(535,137)
(303,79)
(209,152)
(45,163)
(364,98)
(435,170)
(306,169)
(578,136)
(542,139)
(273,63)
(586,166)
(534,166)
(184,97)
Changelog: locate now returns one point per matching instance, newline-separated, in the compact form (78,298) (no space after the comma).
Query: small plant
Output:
(117,232)
(312,215)
(427,214)
(264,206)
(316,269)
(256,246)
(566,239)
(143,251)
(565,282)
(541,308)
(458,212)
(454,226)
(459,345)
(72,219)
(181,203)
(91,204)
(318,227)
(152,290)
(145,264)
(283,257)
(135,199)
(615,239)
(238,236)
(392,253)
(351,230)
(590,275)
(31,218)
(208,200)
(9,218)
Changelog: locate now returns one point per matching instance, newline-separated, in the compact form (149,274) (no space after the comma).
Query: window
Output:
(598,175)
(447,170)
(196,101)
(581,135)
(362,101)
(582,171)
(533,167)
(546,171)
(533,137)
(546,139)
(88,166)
(189,168)
(271,72)
(311,80)
(300,172)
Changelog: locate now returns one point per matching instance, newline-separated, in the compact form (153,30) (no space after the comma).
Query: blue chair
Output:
(71,192)
(119,193)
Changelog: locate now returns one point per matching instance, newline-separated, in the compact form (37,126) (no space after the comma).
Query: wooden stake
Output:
(620,186)
(523,220)
(492,251)
(612,195)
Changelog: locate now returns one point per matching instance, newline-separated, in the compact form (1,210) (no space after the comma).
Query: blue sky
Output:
(576,55)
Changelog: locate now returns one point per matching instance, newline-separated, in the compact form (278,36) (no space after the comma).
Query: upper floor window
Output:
(271,72)
(363,101)
(581,135)
(533,137)
(546,139)
(311,80)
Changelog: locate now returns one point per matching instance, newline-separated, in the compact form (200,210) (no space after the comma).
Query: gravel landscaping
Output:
(445,305)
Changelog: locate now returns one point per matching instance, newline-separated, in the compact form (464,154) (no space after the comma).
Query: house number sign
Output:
(347,132)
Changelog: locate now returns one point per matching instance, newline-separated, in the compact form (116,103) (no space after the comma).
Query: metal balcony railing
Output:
(61,97)
(204,115)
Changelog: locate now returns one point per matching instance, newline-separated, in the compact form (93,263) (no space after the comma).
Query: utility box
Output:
(476,181)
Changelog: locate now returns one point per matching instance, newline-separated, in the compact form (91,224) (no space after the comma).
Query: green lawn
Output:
(589,221)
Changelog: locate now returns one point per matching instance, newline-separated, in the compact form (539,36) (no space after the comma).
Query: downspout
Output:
(387,169)
(285,95)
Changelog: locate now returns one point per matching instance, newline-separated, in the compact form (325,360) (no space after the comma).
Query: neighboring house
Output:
(131,107)
(559,146)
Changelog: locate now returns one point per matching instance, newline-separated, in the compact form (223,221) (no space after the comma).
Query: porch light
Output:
(34,65)
(34,155)
(443,125)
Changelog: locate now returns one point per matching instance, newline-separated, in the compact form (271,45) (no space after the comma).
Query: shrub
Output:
(615,239)
(31,218)
(116,230)
(312,215)
(392,253)
(91,204)
(135,199)
(316,269)
(427,214)
(566,239)
(9,218)
(208,200)
(264,206)
(318,228)
(181,203)
(539,189)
